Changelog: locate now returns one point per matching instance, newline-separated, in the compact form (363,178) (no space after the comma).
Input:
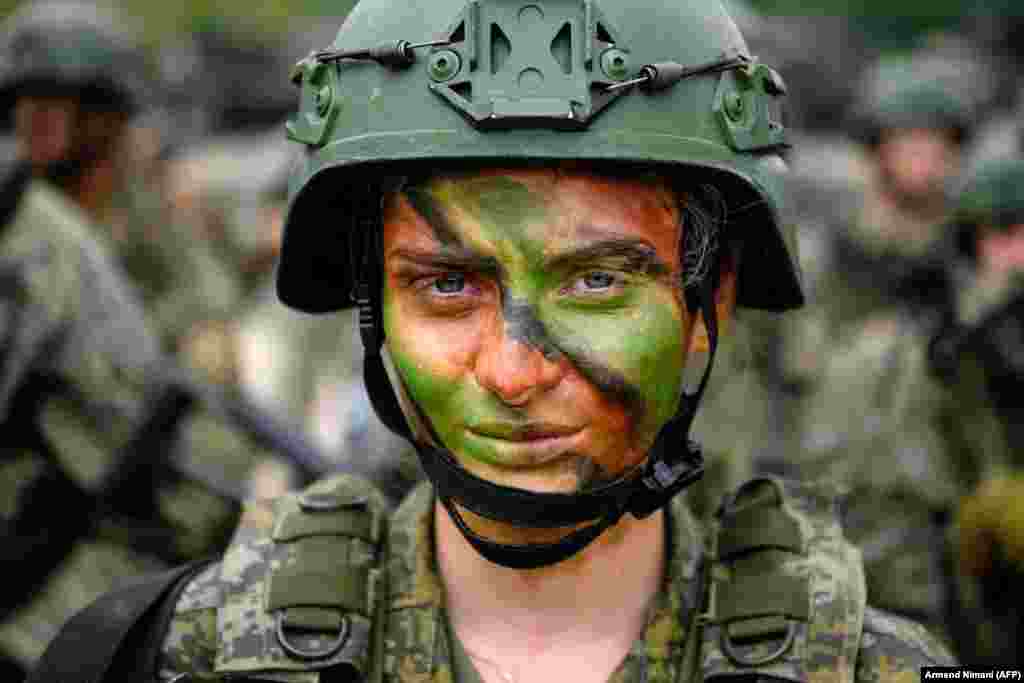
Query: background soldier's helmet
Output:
(991,196)
(73,48)
(914,92)
(531,81)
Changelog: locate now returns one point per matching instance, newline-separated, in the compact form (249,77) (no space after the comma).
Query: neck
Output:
(541,610)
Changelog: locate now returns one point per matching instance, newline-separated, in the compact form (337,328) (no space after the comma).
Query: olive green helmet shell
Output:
(992,196)
(71,47)
(524,82)
(904,92)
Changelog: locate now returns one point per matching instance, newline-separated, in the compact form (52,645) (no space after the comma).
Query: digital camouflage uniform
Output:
(780,592)
(71,325)
(220,628)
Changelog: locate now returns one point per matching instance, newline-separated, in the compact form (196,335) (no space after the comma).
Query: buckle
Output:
(730,651)
(329,648)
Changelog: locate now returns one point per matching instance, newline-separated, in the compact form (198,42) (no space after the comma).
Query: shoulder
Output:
(894,649)
(293,593)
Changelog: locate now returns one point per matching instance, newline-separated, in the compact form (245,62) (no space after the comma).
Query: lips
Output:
(518,432)
(527,445)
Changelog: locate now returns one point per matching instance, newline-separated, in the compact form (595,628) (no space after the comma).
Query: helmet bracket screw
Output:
(734,106)
(615,64)
(444,65)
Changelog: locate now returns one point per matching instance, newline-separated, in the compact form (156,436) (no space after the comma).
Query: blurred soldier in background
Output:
(981,357)
(856,401)
(106,468)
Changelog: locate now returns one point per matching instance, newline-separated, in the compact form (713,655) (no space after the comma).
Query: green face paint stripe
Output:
(512,202)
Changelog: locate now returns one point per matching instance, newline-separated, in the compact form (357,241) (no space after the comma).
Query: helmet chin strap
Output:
(673,463)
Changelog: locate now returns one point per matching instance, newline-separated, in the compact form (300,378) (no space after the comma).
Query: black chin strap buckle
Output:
(369,330)
(662,479)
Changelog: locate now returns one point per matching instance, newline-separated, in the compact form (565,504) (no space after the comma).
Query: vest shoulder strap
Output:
(786,593)
(304,594)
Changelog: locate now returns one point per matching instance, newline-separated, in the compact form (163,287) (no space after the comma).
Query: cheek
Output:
(433,356)
(643,344)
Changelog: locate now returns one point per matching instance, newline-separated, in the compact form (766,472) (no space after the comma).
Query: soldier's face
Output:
(536,319)
(45,127)
(917,162)
(1001,250)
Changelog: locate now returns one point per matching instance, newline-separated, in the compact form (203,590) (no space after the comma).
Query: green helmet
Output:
(911,93)
(993,196)
(70,47)
(658,83)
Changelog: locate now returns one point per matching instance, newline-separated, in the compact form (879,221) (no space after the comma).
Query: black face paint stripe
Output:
(434,214)
(524,325)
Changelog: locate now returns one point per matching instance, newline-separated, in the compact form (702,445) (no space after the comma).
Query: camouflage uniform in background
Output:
(857,403)
(182,282)
(979,357)
(220,629)
(110,465)
(79,359)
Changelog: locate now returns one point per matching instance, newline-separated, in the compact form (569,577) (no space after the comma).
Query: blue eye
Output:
(598,280)
(450,283)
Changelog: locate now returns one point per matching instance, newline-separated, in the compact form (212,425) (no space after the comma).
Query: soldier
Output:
(860,405)
(979,357)
(107,470)
(542,216)
(182,286)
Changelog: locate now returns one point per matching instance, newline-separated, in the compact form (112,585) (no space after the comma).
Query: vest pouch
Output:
(786,596)
(304,598)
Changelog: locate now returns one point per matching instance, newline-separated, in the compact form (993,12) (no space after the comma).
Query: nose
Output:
(513,370)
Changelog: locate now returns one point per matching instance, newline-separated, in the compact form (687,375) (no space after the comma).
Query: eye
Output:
(598,280)
(450,284)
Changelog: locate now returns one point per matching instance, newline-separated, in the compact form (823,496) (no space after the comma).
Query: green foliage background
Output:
(885,21)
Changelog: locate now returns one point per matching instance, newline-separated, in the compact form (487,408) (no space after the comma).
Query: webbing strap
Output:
(356,522)
(300,586)
(762,595)
(757,529)
(86,648)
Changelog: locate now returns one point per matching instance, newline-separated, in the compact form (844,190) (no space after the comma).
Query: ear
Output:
(725,305)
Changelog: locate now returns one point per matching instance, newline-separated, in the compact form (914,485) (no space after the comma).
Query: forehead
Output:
(542,208)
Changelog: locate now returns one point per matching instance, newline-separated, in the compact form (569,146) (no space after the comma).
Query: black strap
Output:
(13,183)
(120,631)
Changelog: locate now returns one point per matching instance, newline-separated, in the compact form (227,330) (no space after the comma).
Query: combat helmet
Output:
(912,92)
(75,47)
(666,85)
(992,195)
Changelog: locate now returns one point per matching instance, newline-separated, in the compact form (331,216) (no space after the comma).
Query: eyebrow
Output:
(450,256)
(638,255)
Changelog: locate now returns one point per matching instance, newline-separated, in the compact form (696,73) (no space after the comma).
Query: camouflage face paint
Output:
(599,303)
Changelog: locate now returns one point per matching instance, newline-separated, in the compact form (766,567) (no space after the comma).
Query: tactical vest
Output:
(783,593)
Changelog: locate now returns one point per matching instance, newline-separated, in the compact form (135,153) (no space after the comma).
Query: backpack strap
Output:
(786,592)
(306,597)
(115,634)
